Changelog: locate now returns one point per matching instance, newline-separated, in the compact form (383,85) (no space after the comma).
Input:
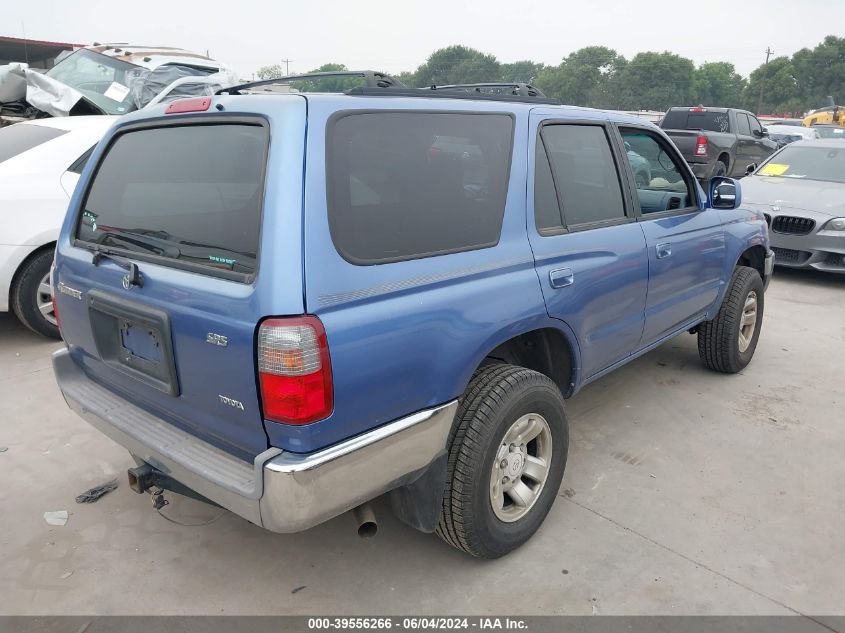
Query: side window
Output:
(546,207)
(404,185)
(742,126)
(755,124)
(585,173)
(662,183)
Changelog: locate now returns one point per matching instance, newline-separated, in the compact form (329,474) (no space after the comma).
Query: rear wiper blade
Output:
(132,278)
(216,248)
(153,242)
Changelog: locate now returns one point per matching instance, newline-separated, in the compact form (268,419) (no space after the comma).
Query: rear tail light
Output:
(52,293)
(698,109)
(294,370)
(701,145)
(56,312)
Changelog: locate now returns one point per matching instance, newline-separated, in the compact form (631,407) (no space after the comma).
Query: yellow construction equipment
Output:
(830,114)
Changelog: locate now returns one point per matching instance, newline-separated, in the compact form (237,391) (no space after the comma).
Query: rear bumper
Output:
(280,491)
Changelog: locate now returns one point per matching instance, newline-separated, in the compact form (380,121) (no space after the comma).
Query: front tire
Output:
(31,296)
(507,454)
(727,343)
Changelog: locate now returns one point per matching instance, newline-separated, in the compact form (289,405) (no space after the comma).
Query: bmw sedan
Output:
(801,189)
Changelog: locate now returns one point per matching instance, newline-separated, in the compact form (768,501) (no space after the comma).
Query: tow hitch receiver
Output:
(146,478)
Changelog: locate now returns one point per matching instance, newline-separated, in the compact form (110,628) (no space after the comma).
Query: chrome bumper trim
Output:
(280,491)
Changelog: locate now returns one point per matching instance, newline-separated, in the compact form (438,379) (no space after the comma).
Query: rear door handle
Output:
(664,250)
(561,277)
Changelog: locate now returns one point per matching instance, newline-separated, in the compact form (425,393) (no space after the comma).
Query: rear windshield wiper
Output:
(158,242)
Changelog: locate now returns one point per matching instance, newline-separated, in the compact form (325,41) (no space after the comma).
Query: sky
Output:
(392,35)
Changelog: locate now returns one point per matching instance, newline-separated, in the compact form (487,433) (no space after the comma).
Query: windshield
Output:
(104,80)
(809,163)
(831,132)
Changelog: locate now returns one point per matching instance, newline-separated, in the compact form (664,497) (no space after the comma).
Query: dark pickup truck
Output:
(718,141)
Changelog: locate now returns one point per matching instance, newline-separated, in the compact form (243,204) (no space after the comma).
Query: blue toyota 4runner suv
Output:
(292,304)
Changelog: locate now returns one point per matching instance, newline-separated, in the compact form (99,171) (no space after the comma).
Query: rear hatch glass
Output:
(706,120)
(183,196)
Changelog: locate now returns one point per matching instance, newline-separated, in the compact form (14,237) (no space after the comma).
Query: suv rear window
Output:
(190,196)
(20,138)
(404,185)
(687,120)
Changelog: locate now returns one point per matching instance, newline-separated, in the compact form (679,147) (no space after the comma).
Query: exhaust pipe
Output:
(365,519)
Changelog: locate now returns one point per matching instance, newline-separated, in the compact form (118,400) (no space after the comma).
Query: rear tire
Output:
(719,169)
(30,297)
(492,442)
(727,343)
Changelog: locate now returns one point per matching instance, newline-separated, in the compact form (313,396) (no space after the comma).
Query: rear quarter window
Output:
(188,196)
(404,185)
(22,137)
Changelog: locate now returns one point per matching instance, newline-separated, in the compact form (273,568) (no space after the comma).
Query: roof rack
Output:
(383,85)
(515,89)
(372,79)
(452,92)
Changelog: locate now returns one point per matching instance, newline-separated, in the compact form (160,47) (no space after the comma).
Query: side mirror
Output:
(725,193)
(750,169)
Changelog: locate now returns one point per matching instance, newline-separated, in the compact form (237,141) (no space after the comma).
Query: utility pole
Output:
(769,53)
(286,62)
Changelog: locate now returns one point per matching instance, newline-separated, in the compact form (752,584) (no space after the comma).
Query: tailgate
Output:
(158,274)
(685,141)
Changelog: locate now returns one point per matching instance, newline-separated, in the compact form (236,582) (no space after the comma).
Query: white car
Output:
(40,163)
(786,134)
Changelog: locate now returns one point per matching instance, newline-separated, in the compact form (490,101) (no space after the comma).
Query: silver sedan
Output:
(801,189)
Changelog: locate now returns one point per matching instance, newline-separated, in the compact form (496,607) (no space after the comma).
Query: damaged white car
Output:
(108,79)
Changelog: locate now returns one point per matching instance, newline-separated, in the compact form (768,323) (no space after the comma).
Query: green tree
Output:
(656,81)
(457,65)
(820,72)
(780,90)
(329,84)
(718,84)
(270,72)
(584,78)
(524,71)
(408,78)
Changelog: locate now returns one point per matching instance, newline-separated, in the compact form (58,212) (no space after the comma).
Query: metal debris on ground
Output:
(56,517)
(93,494)
(3,449)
